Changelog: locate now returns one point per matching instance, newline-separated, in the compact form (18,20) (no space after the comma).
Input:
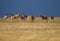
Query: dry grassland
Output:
(27,31)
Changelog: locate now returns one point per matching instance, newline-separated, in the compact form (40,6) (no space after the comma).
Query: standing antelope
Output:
(23,16)
(52,18)
(30,18)
(44,18)
(17,15)
(12,17)
(5,17)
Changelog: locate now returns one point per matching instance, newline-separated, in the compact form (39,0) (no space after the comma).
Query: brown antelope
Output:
(30,18)
(52,18)
(17,15)
(44,18)
(5,17)
(12,17)
(23,16)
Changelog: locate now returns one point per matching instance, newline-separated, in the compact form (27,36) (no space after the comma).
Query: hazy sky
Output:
(46,7)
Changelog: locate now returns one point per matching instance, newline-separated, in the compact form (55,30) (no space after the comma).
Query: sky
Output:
(36,7)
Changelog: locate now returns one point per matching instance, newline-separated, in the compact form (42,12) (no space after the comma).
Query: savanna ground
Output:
(27,31)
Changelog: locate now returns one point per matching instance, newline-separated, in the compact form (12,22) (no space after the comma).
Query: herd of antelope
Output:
(24,17)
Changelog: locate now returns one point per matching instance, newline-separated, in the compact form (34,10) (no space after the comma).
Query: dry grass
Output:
(24,31)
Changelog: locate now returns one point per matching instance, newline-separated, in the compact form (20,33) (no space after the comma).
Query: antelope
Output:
(30,18)
(44,18)
(17,15)
(52,18)
(5,17)
(23,16)
(12,17)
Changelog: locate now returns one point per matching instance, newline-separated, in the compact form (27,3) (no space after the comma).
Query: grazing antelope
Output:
(44,18)
(30,18)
